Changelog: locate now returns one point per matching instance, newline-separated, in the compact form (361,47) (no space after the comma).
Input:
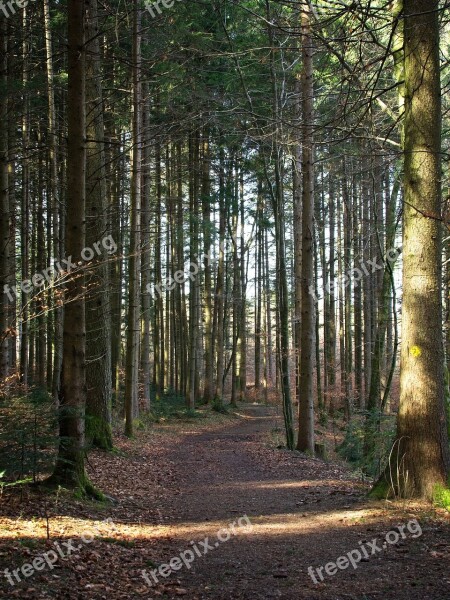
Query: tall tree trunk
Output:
(11,136)
(116,271)
(421,458)
(181,313)
(4,208)
(268,368)
(208,314)
(297,199)
(357,300)
(235,379)
(331,350)
(98,307)
(40,296)
(57,214)
(133,329)
(69,469)
(194,279)
(220,283)
(319,388)
(348,400)
(258,285)
(243,293)
(146,257)
(25,205)
(305,391)
(158,330)
(282,313)
(321,226)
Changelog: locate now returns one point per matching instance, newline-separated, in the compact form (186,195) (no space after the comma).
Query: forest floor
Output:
(181,482)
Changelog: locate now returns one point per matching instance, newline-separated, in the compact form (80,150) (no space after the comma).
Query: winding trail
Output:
(184,481)
(304,512)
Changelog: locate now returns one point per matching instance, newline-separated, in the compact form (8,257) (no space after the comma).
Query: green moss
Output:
(217,405)
(441,496)
(380,490)
(90,491)
(139,425)
(75,482)
(124,543)
(99,432)
(447,399)
(29,543)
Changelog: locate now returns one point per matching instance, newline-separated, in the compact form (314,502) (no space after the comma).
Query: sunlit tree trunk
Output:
(421,458)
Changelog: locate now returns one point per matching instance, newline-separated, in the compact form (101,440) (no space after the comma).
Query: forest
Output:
(225,299)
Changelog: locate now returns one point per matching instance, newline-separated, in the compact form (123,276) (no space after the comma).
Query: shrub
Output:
(352,447)
(28,436)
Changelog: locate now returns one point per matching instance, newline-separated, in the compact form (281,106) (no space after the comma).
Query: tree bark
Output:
(69,469)
(133,329)
(98,306)
(305,391)
(421,459)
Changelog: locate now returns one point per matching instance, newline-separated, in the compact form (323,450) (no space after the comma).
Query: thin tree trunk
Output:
(194,283)
(357,300)
(242,303)
(348,400)
(4,208)
(258,285)
(146,257)
(220,291)
(133,329)
(57,216)
(332,326)
(305,392)
(208,314)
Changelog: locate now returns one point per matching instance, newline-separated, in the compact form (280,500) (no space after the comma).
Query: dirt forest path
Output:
(179,483)
(303,513)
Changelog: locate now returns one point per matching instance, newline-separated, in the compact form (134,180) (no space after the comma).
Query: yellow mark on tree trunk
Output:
(415,351)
